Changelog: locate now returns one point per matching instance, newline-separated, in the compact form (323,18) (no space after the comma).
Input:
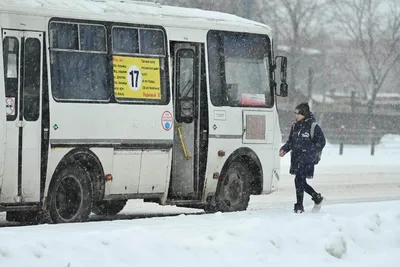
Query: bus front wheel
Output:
(233,190)
(70,196)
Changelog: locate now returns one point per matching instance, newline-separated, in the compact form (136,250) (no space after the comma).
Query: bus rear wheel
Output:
(70,196)
(233,190)
(109,208)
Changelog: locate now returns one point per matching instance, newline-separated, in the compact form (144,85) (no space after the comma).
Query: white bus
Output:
(107,101)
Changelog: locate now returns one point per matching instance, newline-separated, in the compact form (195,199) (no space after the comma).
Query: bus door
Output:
(191,121)
(2,122)
(23,61)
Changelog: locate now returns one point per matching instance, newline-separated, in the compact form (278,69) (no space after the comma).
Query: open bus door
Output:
(191,120)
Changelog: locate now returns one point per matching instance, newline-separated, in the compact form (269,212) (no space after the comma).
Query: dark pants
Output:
(300,181)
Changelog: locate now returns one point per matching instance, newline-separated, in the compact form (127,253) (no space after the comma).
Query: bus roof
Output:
(122,11)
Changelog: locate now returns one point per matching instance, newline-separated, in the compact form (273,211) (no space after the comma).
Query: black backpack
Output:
(319,153)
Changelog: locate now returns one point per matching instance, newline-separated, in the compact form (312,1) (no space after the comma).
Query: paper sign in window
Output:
(136,77)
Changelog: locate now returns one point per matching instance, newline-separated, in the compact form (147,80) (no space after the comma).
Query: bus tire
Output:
(210,206)
(109,208)
(233,190)
(70,196)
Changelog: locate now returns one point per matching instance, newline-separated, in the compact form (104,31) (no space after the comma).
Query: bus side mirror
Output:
(283,88)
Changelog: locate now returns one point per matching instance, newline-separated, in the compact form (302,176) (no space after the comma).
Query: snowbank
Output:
(390,141)
(340,235)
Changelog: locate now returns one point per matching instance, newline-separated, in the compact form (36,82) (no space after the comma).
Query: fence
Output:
(347,128)
(346,136)
(342,136)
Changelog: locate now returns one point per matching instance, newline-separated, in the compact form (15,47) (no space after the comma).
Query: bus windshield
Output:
(239,69)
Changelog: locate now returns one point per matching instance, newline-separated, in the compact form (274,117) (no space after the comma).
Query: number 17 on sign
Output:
(134,78)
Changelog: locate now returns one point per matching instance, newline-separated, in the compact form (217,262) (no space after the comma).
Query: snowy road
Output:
(337,188)
(345,186)
(341,188)
(344,189)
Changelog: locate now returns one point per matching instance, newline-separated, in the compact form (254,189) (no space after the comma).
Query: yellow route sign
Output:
(136,77)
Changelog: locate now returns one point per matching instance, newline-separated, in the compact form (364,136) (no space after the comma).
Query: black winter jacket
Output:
(303,149)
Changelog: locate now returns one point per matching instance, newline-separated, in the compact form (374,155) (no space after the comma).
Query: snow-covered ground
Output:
(359,225)
(340,235)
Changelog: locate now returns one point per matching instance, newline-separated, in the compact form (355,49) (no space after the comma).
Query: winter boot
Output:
(317,198)
(298,208)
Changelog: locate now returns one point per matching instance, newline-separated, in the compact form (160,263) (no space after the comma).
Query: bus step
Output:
(195,204)
(19,208)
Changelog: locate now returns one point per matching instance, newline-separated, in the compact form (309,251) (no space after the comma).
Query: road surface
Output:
(346,186)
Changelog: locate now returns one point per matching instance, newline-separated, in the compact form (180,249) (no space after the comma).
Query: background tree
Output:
(373,26)
(296,23)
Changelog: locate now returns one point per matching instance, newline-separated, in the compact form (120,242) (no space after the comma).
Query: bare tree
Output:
(295,22)
(374,27)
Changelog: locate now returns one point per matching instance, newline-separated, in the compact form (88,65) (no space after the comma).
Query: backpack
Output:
(319,153)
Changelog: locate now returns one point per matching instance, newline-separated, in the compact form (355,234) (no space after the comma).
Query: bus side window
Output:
(185,85)
(154,40)
(125,40)
(79,62)
(144,49)
(11,73)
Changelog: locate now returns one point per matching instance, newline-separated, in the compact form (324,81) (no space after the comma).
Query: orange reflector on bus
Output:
(221,153)
(109,177)
(216,175)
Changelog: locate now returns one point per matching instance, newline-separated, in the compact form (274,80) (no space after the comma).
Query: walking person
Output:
(306,141)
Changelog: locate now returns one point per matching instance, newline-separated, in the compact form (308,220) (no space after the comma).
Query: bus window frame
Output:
(164,91)
(108,25)
(222,71)
(104,52)
(138,29)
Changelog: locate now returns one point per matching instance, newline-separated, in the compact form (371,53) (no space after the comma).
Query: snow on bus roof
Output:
(129,7)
